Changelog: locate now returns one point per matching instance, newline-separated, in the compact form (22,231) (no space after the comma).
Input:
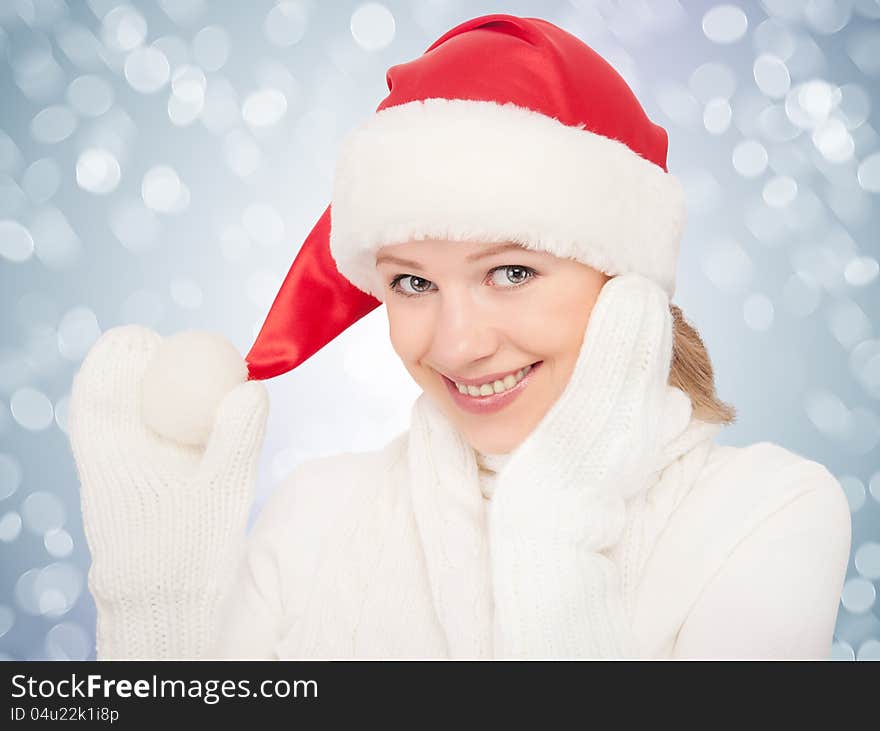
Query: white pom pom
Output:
(185,381)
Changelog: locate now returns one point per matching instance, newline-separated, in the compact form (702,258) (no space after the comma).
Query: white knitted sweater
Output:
(619,528)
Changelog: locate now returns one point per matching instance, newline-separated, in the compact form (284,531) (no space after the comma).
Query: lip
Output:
(493,403)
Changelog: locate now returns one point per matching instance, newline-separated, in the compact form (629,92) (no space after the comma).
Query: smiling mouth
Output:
(492,386)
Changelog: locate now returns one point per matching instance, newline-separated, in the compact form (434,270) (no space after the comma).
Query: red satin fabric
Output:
(314,304)
(536,65)
(500,58)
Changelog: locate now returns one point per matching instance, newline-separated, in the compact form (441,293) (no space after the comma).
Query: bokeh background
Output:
(162,161)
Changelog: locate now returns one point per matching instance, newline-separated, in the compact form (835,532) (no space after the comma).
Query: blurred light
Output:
(42,179)
(61,408)
(211,47)
(183,12)
(7,619)
(833,140)
(774,124)
(875,486)
(12,199)
(372,26)
(134,225)
(828,414)
(163,191)
(56,244)
(90,95)
(182,113)
(779,191)
(758,312)
(862,49)
(869,173)
(716,116)
(42,511)
(854,490)
(10,155)
(221,111)
(286,23)
(53,124)
(858,595)
(175,50)
(774,36)
(10,475)
(188,84)
(712,80)
(679,104)
(147,70)
(864,362)
(848,322)
(869,650)
(80,45)
(867,560)
(855,105)
(97,171)
(827,16)
(263,108)
(31,409)
(750,158)
(123,28)
(861,271)
(725,24)
(58,543)
(16,242)
(57,588)
(771,75)
(77,332)
(67,641)
(10,527)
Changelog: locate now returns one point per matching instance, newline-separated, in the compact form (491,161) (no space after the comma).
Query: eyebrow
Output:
(471,257)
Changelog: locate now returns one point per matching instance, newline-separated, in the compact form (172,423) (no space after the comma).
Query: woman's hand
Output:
(596,444)
(561,499)
(164,521)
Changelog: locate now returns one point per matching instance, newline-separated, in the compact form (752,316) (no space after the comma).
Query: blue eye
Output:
(418,284)
(514,276)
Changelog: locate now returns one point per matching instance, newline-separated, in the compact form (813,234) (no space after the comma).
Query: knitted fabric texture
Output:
(164,521)
(489,465)
(559,503)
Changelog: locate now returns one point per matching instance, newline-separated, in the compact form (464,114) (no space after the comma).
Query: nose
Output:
(466,332)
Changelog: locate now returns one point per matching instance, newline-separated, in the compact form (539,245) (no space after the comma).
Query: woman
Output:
(559,492)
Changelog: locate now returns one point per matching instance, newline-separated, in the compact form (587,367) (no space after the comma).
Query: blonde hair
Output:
(691,371)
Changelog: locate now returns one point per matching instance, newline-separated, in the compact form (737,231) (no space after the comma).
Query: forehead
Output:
(423,251)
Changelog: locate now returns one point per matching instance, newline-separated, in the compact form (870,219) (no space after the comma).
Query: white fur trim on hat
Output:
(476,170)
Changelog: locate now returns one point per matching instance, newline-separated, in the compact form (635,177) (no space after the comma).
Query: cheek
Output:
(408,334)
(552,326)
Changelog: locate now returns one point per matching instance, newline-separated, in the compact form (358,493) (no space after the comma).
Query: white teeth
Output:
(498,386)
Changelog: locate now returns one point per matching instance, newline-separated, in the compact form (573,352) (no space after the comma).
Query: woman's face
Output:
(471,316)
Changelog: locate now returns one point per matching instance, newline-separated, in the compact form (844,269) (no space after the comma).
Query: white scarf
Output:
(548,567)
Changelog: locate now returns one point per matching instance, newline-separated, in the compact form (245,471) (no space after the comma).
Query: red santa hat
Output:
(505,129)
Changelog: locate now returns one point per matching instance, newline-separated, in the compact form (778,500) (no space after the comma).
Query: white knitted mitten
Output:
(165,522)
(560,500)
